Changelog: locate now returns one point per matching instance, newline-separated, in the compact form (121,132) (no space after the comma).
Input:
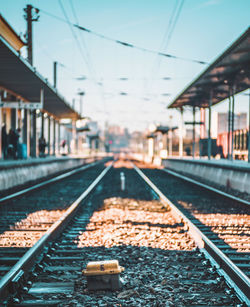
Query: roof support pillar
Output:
(193,147)
(170,143)
(48,123)
(58,136)
(33,138)
(28,132)
(249,127)
(1,127)
(74,136)
(232,141)
(181,134)
(202,126)
(229,128)
(54,136)
(42,124)
(209,143)
(13,118)
(164,141)
(69,139)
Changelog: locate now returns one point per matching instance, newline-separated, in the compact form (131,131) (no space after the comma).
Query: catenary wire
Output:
(125,43)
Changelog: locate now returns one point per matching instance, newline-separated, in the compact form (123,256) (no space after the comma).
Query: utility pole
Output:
(31,14)
(81,93)
(55,73)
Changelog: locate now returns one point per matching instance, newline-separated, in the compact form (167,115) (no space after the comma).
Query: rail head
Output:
(207,187)
(46,182)
(27,261)
(232,272)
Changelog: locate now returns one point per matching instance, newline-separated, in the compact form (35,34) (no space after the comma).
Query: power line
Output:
(76,38)
(167,36)
(173,24)
(72,31)
(139,48)
(125,44)
(90,65)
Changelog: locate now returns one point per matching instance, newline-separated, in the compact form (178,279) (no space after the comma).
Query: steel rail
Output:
(232,272)
(208,187)
(44,183)
(27,261)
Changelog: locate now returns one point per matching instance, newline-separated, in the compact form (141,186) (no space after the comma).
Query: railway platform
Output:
(228,174)
(14,173)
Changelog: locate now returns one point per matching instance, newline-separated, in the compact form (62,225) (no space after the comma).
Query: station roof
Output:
(7,32)
(230,70)
(22,79)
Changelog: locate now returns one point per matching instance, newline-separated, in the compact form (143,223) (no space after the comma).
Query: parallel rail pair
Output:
(233,275)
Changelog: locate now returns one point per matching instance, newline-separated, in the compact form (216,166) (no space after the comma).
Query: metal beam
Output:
(209,147)
(193,147)
(249,127)
(181,134)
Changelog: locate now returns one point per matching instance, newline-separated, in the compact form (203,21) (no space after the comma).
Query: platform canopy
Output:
(229,72)
(22,79)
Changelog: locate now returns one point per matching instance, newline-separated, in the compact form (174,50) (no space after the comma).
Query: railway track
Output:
(25,216)
(223,218)
(140,228)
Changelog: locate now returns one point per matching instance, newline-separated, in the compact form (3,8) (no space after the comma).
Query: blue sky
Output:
(204,29)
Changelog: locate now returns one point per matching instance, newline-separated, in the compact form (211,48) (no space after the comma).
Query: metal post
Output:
(232,141)
(170,142)
(58,137)
(42,124)
(209,143)
(48,122)
(68,141)
(28,132)
(29,18)
(24,127)
(74,136)
(202,126)
(81,105)
(33,138)
(1,127)
(193,148)
(249,127)
(29,34)
(55,74)
(13,118)
(229,127)
(181,135)
(122,177)
(54,137)
(81,94)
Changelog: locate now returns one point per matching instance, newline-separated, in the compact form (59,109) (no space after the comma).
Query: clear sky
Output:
(195,29)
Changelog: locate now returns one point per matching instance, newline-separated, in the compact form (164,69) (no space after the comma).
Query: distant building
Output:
(221,122)
(117,138)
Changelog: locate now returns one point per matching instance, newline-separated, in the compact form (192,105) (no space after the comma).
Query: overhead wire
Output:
(166,35)
(73,33)
(76,39)
(90,62)
(120,42)
(173,25)
(91,67)
(166,40)
(126,44)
